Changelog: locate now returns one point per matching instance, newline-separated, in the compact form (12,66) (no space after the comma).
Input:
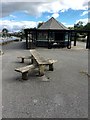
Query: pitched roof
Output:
(52,23)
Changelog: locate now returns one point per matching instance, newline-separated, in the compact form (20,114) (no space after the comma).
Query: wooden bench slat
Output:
(24,69)
(50,61)
(38,58)
(25,57)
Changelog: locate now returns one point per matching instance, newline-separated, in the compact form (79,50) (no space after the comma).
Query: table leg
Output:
(31,59)
(51,67)
(22,60)
(41,70)
(25,75)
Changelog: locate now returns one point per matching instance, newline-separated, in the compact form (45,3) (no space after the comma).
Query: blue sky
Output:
(18,15)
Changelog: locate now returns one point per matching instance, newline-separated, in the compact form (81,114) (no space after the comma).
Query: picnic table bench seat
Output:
(24,57)
(24,70)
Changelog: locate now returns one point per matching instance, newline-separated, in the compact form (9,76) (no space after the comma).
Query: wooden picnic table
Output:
(37,61)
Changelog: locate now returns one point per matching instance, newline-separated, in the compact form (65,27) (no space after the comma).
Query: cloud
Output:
(89,20)
(13,16)
(74,4)
(48,17)
(67,25)
(85,21)
(85,12)
(38,7)
(14,26)
(4,1)
(10,7)
(55,15)
(89,4)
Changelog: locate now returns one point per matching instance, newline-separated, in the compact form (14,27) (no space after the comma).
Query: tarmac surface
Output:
(65,95)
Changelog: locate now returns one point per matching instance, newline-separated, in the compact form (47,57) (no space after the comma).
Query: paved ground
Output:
(64,96)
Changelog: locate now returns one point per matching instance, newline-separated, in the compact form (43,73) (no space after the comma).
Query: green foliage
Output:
(87,27)
(78,26)
(39,24)
(71,28)
(4,32)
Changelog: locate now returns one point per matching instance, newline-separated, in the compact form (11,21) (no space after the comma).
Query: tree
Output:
(78,26)
(39,24)
(87,26)
(4,32)
(71,28)
(22,34)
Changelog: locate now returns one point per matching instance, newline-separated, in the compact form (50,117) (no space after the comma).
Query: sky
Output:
(19,14)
